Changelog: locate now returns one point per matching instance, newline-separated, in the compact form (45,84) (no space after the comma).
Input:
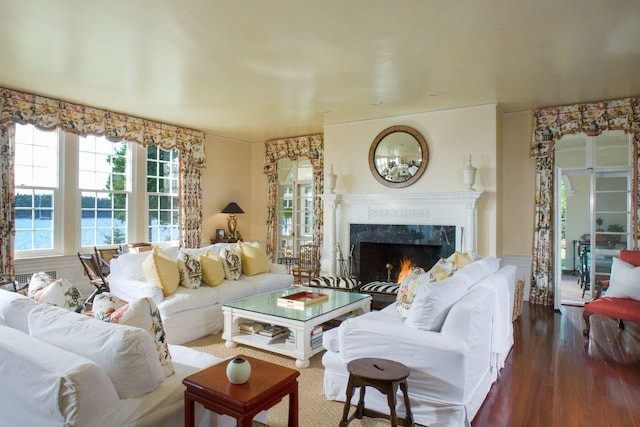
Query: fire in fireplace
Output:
(390,262)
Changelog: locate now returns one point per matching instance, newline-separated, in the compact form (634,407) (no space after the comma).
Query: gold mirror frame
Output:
(391,143)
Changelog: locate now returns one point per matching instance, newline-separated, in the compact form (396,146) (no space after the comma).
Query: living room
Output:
(485,115)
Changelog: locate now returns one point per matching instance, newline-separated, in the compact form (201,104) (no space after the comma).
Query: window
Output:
(295,205)
(117,192)
(36,188)
(162,194)
(103,184)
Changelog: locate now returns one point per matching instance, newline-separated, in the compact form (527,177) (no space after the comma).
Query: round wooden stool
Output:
(385,375)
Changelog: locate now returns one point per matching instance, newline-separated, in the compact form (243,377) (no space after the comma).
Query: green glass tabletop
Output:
(268,303)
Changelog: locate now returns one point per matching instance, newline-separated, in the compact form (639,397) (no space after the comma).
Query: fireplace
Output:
(376,245)
(375,218)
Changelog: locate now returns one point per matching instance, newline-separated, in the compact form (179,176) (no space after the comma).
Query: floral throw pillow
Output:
(232,263)
(45,289)
(39,281)
(141,313)
(408,289)
(441,270)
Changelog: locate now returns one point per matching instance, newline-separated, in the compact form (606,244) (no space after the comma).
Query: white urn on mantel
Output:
(469,175)
(330,181)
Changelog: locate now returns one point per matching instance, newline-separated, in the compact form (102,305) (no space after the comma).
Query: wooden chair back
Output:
(91,268)
(309,257)
(308,264)
(104,257)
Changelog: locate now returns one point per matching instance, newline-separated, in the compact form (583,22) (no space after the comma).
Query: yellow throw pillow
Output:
(212,269)
(254,259)
(441,270)
(459,260)
(162,271)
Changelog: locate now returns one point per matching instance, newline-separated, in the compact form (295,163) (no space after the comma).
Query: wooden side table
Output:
(267,385)
(384,375)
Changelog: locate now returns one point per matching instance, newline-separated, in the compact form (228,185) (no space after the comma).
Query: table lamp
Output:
(232,209)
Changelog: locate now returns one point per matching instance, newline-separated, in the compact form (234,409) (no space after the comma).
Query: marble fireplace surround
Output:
(457,209)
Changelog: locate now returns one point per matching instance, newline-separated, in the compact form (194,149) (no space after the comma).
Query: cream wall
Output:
(226,178)
(492,138)
(258,194)
(451,135)
(518,185)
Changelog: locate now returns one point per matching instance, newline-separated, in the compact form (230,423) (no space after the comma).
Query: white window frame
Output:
(67,200)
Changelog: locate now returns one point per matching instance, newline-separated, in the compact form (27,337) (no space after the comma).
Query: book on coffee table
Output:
(301,300)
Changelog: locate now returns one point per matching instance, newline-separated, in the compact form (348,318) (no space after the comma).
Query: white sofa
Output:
(453,365)
(47,383)
(190,314)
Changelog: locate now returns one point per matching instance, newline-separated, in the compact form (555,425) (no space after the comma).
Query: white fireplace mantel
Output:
(457,209)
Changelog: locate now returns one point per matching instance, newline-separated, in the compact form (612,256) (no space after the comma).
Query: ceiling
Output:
(253,70)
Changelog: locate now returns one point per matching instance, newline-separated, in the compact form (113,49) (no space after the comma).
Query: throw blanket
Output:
(502,327)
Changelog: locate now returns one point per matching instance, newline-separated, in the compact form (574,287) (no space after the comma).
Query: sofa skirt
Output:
(425,412)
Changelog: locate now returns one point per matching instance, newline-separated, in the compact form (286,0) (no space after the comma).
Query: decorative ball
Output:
(238,370)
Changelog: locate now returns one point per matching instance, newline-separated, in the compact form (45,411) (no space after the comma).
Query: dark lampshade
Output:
(232,208)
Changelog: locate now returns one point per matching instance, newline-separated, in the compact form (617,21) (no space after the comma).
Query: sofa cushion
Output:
(127,354)
(53,386)
(141,313)
(128,266)
(162,271)
(190,299)
(254,259)
(15,309)
(625,280)
(60,293)
(232,263)
(189,267)
(433,301)
(212,269)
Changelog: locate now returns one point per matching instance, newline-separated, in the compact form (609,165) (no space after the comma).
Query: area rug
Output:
(314,409)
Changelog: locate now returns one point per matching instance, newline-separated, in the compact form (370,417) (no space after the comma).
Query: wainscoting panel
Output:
(66,266)
(523,269)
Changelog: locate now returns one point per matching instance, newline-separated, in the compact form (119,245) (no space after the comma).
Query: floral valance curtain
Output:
(48,113)
(549,125)
(311,147)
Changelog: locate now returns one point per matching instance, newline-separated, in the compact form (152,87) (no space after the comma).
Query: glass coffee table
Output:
(301,338)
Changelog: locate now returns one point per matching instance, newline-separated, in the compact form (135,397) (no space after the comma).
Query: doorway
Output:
(592,210)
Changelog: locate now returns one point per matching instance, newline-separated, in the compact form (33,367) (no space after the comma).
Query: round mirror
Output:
(398,156)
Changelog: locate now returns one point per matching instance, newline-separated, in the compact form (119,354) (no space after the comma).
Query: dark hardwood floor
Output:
(554,377)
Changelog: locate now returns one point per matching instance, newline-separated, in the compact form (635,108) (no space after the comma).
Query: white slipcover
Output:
(451,369)
(190,314)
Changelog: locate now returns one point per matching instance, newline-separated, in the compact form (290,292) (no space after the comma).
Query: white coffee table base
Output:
(300,350)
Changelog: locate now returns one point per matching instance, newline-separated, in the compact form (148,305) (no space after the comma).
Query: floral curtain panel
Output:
(311,147)
(549,125)
(48,113)
(7,196)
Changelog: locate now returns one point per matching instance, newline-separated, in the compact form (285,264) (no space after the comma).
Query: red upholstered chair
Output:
(618,308)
